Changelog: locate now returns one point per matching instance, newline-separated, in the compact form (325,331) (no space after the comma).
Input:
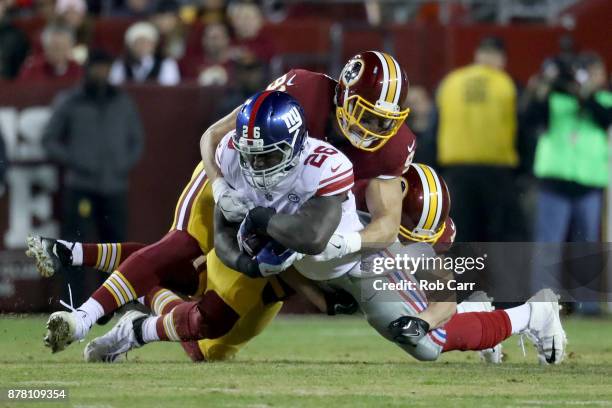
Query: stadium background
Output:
(320,35)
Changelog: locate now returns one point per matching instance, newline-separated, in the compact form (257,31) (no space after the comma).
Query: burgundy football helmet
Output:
(371,99)
(425,205)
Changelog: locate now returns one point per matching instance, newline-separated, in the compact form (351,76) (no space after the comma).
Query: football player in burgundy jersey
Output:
(363,115)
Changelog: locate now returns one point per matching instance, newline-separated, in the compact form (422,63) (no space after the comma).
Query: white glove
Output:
(233,205)
(340,245)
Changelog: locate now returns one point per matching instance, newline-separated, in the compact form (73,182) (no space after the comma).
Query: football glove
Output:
(340,245)
(408,330)
(271,260)
(233,205)
(340,301)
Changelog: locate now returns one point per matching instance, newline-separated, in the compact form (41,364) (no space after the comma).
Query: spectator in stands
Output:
(574,110)
(215,66)
(141,63)
(133,9)
(95,133)
(73,13)
(476,136)
(3,165)
(56,62)
(246,20)
(172,35)
(250,76)
(14,44)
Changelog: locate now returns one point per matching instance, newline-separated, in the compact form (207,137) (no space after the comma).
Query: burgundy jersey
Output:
(315,92)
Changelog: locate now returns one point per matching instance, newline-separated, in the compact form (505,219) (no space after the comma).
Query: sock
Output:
(476,330)
(90,312)
(161,301)
(208,318)
(149,329)
(146,268)
(77,251)
(519,317)
(107,257)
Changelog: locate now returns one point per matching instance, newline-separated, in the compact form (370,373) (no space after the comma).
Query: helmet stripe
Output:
(440,201)
(433,197)
(398,70)
(256,105)
(425,195)
(385,66)
(390,97)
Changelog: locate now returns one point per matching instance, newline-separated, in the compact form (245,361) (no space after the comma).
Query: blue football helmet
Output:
(270,136)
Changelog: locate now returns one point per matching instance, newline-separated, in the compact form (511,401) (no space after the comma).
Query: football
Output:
(253,243)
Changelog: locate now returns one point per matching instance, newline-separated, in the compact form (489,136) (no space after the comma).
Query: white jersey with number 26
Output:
(321,171)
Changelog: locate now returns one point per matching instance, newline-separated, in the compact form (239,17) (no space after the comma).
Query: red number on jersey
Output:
(319,155)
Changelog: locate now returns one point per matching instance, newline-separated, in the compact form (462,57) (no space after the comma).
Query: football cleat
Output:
(63,328)
(50,254)
(480,302)
(545,330)
(114,345)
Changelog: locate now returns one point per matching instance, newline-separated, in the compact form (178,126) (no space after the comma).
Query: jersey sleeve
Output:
(226,154)
(403,154)
(336,176)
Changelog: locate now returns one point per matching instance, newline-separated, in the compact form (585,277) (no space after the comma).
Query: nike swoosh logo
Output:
(411,146)
(290,81)
(335,246)
(551,360)
(334,169)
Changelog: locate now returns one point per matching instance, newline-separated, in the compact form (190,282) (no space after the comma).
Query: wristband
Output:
(219,187)
(353,242)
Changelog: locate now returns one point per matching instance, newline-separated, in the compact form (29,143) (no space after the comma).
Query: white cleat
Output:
(480,302)
(49,254)
(63,328)
(545,330)
(114,345)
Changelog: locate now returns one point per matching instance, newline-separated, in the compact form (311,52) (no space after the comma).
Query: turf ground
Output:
(311,362)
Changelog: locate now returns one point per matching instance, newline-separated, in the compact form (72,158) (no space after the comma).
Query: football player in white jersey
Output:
(301,190)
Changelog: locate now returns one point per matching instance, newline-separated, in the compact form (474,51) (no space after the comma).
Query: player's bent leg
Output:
(247,328)
(137,275)
(480,302)
(53,254)
(382,308)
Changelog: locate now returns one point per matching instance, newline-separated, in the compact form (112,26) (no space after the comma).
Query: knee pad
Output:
(425,350)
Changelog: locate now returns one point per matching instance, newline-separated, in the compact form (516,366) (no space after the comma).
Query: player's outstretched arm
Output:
(384,201)
(307,231)
(211,138)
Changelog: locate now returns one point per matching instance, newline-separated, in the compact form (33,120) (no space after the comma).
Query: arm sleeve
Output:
(336,177)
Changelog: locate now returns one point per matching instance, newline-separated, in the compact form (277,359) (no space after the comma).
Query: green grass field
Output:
(311,362)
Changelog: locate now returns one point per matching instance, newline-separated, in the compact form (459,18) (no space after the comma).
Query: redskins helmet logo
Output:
(352,72)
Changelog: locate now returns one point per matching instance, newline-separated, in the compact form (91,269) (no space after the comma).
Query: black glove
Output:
(340,302)
(408,330)
(257,220)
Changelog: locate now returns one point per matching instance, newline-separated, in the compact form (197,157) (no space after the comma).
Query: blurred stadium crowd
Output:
(524,161)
